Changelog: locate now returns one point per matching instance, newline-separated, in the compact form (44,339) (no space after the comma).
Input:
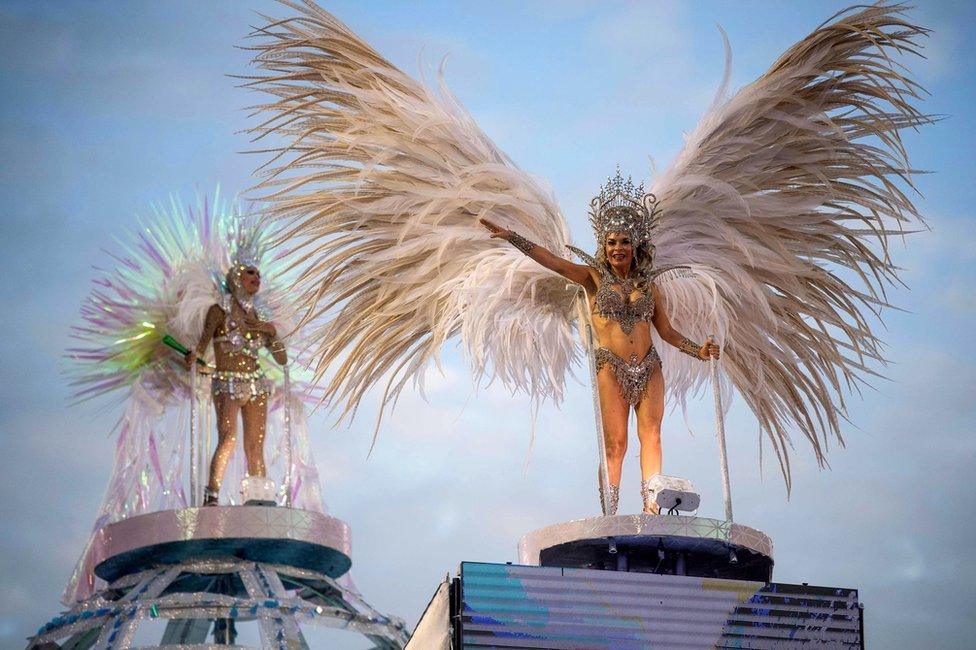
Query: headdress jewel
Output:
(248,240)
(622,207)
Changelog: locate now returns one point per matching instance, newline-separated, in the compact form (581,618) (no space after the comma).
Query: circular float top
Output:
(706,546)
(276,535)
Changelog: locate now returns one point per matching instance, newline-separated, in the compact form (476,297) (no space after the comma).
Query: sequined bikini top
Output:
(235,337)
(617,305)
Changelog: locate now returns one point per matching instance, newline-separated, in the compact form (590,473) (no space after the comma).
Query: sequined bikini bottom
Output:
(632,376)
(241,386)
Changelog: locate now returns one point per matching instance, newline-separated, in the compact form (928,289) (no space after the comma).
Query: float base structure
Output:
(530,607)
(206,571)
(662,544)
(629,582)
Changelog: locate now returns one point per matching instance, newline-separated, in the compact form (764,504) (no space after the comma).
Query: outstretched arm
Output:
(577,273)
(703,351)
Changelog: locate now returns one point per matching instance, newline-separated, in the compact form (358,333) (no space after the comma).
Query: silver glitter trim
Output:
(647,497)
(632,376)
(521,243)
(241,386)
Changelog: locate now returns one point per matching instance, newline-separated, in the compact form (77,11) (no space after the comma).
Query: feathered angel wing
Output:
(383,181)
(782,203)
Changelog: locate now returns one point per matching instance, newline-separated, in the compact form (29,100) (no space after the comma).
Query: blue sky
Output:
(107,107)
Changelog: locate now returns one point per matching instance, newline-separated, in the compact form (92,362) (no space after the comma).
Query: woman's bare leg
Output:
(227,410)
(650,412)
(255,414)
(615,411)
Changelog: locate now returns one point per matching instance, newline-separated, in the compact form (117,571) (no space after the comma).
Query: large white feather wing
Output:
(782,201)
(383,180)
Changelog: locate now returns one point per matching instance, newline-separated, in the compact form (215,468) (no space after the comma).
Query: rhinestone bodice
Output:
(617,306)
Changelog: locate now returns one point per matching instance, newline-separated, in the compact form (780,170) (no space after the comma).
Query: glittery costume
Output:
(632,375)
(617,305)
(247,381)
(240,386)
(239,383)
(172,279)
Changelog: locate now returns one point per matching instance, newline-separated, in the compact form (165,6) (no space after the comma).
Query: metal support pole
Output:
(207,448)
(208,419)
(586,333)
(203,465)
(194,497)
(288,447)
(720,433)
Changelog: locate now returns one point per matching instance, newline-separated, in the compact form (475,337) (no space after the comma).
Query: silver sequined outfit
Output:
(613,305)
(632,376)
(241,386)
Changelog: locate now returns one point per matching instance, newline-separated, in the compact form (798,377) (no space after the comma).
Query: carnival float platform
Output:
(634,582)
(204,571)
(677,545)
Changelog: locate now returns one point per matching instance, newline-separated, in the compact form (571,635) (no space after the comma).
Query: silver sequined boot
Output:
(614,494)
(613,500)
(647,495)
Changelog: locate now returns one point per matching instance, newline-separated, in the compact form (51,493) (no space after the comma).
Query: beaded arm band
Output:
(690,348)
(276,345)
(521,243)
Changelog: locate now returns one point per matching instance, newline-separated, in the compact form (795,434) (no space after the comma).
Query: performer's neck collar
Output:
(247,304)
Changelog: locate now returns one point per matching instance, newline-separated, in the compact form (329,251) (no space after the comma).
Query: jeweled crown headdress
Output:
(247,243)
(622,207)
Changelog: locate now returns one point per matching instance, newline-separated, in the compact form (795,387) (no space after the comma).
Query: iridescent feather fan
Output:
(164,277)
(779,209)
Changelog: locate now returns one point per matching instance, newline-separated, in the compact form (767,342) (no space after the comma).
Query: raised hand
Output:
(497,232)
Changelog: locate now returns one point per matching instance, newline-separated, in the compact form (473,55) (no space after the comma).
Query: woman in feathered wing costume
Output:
(169,273)
(795,177)
(623,302)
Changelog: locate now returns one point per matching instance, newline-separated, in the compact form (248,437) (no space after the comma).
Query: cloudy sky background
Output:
(107,107)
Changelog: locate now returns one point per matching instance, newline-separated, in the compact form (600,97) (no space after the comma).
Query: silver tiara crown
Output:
(622,207)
